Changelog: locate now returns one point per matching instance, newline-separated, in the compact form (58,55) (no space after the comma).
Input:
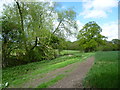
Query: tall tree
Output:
(25,31)
(29,33)
(11,33)
(90,37)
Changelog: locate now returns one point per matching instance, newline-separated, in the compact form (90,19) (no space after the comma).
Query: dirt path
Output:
(48,76)
(74,79)
(74,74)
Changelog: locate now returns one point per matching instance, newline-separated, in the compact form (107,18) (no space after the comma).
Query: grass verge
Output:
(17,76)
(51,82)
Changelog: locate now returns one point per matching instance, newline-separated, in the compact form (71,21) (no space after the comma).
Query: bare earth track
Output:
(74,79)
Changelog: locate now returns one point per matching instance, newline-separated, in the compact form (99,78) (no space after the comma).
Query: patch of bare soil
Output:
(74,79)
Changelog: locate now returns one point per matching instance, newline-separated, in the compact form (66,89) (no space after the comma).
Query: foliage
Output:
(29,33)
(112,45)
(72,45)
(116,43)
(66,22)
(90,37)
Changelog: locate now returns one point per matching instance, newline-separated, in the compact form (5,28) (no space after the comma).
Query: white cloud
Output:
(80,24)
(110,30)
(51,4)
(63,7)
(94,14)
(97,8)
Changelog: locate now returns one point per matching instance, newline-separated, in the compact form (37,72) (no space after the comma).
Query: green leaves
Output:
(29,33)
(89,36)
(66,22)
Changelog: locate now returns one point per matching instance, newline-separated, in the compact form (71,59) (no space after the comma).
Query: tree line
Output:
(36,31)
(90,39)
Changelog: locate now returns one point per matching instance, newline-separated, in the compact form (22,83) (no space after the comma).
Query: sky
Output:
(103,12)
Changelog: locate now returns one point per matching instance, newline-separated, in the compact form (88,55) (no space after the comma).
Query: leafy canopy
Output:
(89,36)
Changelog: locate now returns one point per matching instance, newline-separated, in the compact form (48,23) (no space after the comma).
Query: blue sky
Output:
(77,6)
(104,14)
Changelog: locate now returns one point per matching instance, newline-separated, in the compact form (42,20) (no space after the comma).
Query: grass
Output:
(51,82)
(104,73)
(65,52)
(17,76)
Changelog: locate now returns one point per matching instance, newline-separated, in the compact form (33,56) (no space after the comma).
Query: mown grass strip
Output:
(51,82)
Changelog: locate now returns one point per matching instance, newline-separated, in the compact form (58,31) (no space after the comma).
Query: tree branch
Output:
(20,12)
(35,44)
(58,26)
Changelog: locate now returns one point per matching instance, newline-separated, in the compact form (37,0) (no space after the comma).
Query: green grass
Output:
(69,52)
(104,73)
(17,76)
(110,56)
(51,82)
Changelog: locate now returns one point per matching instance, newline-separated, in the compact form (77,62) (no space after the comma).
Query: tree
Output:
(116,43)
(72,45)
(29,33)
(66,22)
(26,32)
(89,36)
(10,34)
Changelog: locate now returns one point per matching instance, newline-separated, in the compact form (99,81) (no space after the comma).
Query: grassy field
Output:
(17,76)
(104,73)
